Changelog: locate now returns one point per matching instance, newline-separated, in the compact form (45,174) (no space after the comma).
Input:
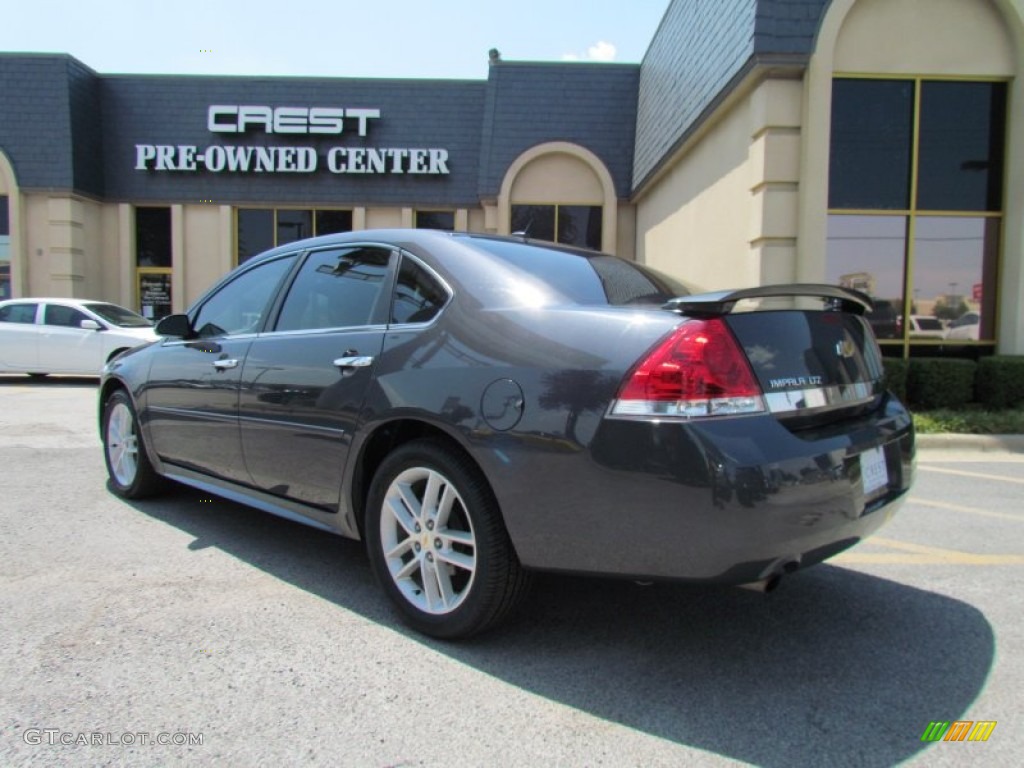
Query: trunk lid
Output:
(811,363)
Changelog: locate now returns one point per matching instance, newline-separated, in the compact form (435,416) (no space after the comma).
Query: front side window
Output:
(238,307)
(578,225)
(18,313)
(68,317)
(337,288)
(915,206)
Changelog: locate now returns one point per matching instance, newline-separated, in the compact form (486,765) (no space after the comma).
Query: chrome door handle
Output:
(224,365)
(355,361)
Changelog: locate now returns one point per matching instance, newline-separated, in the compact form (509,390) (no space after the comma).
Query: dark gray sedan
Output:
(475,408)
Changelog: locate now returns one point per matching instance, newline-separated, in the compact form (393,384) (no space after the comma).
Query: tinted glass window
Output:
(5,225)
(867,253)
(418,296)
(955,263)
(120,316)
(536,221)
(18,313)
(580,225)
(328,222)
(238,307)
(293,225)
(960,167)
(871,144)
(336,289)
(435,220)
(68,317)
(255,232)
(544,275)
(153,237)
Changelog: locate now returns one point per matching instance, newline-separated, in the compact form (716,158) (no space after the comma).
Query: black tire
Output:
(468,549)
(131,474)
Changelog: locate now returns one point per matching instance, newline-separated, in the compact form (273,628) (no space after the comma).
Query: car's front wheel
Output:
(437,542)
(128,466)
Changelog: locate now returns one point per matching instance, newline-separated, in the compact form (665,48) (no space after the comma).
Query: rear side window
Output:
(579,277)
(67,317)
(336,288)
(18,313)
(418,296)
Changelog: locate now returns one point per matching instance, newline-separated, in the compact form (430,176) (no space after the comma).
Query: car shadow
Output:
(835,662)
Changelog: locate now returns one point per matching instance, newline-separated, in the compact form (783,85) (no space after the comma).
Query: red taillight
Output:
(698,370)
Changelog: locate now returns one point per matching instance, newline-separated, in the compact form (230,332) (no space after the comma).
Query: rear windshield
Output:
(580,277)
(119,316)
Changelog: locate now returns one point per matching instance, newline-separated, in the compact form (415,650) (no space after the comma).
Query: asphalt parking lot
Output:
(242,639)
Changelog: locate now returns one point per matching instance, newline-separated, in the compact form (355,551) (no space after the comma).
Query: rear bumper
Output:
(728,501)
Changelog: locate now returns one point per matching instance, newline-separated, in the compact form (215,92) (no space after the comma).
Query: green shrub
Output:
(896,376)
(938,382)
(999,381)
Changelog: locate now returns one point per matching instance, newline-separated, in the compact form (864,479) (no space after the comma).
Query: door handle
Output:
(224,365)
(354,361)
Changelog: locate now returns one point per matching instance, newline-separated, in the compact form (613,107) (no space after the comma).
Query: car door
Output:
(65,346)
(19,337)
(304,383)
(191,401)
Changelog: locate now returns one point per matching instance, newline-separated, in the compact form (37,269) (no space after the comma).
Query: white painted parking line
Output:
(918,554)
(969,510)
(979,475)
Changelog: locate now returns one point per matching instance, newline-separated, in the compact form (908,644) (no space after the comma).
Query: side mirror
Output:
(175,326)
(90,325)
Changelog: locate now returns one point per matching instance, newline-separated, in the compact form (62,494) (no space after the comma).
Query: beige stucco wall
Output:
(557,178)
(66,246)
(384,218)
(204,261)
(725,214)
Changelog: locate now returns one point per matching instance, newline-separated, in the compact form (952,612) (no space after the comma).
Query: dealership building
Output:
(877,144)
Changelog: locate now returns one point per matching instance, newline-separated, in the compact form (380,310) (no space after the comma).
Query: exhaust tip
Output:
(764,585)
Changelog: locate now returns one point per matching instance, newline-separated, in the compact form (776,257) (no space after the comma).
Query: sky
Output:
(446,39)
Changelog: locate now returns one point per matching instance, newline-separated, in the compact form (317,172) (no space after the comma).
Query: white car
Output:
(965,327)
(69,336)
(925,327)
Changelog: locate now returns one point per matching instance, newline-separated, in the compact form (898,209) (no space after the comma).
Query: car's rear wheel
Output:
(438,544)
(128,467)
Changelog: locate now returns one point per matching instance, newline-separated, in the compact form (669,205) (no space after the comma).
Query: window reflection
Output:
(871,137)
(294,225)
(961,154)
(569,224)
(435,220)
(867,253)
(955,274)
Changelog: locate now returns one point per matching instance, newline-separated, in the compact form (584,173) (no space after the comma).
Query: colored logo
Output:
(958,730)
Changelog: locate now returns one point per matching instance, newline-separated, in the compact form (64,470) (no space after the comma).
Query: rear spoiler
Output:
(722,302)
